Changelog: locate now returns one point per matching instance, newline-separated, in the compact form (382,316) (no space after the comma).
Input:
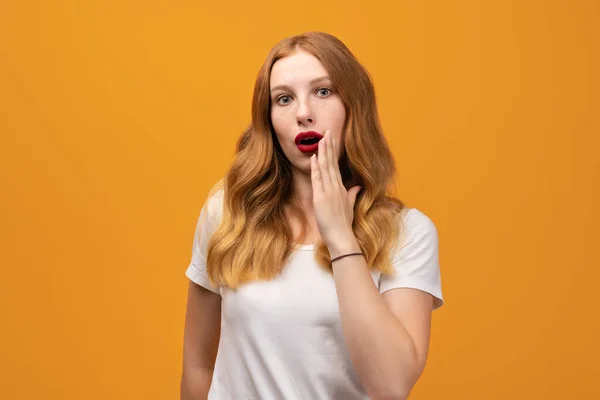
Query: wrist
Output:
(344,246)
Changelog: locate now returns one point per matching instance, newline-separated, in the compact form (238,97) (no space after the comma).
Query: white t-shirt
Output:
(282,339)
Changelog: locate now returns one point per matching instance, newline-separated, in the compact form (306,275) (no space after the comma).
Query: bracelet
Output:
(346,255)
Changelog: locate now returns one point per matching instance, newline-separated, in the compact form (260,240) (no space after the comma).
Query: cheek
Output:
(336,111)
(338,114)
(280,128)
(338,119)
(341,115)
(274,119)
(280,121)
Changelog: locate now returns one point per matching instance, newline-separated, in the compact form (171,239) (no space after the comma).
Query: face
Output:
(302,100)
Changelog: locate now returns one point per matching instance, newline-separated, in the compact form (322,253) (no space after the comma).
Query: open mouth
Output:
(308,142)
(311,140)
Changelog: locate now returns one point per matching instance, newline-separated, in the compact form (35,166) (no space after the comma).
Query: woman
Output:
(307,280)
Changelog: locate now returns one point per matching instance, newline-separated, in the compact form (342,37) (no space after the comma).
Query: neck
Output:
(302,191)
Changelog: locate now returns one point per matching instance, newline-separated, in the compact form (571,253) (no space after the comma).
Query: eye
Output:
(324,91)
(283,100)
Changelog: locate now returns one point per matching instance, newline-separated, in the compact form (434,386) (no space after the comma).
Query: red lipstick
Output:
(308,142)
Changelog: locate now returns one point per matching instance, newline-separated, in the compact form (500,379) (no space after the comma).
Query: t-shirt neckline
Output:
(305,247)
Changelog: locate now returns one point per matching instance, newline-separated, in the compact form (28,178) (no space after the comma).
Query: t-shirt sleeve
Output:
(416,260)
(208,222)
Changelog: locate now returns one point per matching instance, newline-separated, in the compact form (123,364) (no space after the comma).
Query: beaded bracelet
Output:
(346,255)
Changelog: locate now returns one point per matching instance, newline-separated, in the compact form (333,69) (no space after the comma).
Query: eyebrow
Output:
(319,79)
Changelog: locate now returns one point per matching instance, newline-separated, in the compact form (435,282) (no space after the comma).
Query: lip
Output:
(308,148)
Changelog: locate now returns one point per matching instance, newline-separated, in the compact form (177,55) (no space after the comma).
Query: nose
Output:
(304,114)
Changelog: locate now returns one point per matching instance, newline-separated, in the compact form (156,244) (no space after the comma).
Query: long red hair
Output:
(254,238)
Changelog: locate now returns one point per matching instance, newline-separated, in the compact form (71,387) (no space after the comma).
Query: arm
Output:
(200,342)
(387,335)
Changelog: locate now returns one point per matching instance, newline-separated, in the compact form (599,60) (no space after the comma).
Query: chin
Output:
(302,166)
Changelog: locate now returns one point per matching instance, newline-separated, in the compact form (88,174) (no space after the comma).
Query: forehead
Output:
(297,68)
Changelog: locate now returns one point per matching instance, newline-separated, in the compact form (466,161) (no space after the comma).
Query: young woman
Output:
(308,280)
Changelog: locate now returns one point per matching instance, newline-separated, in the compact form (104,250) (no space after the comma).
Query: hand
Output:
(333,204)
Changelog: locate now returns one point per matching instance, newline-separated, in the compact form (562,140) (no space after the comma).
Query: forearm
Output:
(382,352)
(195,383)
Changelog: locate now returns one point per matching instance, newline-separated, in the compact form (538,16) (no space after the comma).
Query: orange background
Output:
(117,117)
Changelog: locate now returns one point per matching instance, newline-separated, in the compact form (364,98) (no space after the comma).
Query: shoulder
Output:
(415,259)
(214,201)
(217,189)
(414,221)
(417,233)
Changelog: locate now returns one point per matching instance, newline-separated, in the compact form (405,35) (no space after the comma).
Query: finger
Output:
(315,176)
(322,160)
(338,173)
(331,164)
(352,193)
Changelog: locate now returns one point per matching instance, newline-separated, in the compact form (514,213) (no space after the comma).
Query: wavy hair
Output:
(254,238)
